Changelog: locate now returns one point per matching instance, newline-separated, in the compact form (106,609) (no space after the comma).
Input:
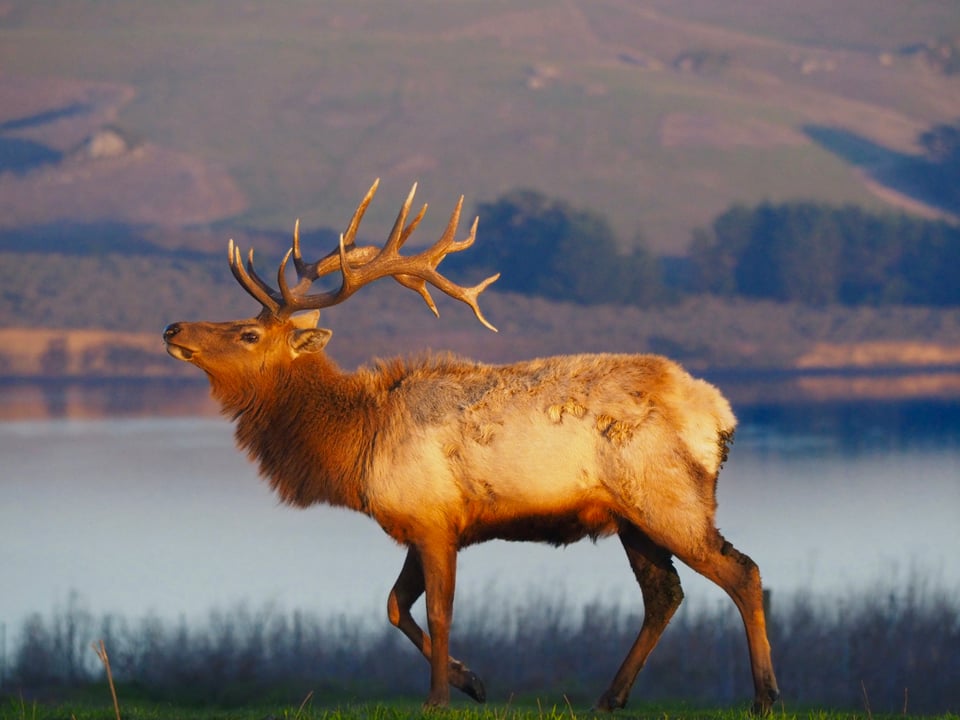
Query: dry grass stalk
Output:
(101,652)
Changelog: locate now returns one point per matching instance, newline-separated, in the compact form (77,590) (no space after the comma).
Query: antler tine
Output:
(418,284)
(289,297)
(398,234)
(308,272)
(470,296)
(297,257)
(446,244)
(255,287)
(350,236)
(251,270)
(434,255)
(353,279)
(448,234)
(408,231)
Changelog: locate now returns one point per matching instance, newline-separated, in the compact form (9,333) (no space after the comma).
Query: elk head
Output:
(236,355)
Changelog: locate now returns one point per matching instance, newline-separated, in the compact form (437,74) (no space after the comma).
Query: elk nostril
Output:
(170,330)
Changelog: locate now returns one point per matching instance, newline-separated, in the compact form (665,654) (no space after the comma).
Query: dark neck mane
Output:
(308,426)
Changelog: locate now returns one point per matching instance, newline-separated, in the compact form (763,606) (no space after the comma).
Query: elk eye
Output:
(250,337)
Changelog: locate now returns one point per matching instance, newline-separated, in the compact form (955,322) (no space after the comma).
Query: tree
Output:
(551,249)
(809,251)
(716,252)
(817,254)
(870,257)
(941,143)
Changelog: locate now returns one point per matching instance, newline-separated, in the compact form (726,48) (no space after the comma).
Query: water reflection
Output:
(851,427)
(812,397)
(62,399)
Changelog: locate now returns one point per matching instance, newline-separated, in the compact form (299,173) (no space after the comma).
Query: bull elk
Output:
(444,452)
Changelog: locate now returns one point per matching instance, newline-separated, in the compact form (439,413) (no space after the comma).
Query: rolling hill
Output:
(656,114)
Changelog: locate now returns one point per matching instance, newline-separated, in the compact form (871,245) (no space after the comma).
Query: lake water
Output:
(154,514)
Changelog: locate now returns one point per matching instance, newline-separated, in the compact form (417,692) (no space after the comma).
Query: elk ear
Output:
(309,340)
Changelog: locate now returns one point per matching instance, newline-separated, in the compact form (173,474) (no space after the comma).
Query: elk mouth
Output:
(180,352)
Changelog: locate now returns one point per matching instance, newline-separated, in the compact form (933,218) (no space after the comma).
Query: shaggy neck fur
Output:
(311,452)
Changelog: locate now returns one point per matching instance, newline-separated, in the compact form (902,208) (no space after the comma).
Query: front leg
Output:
(439,559)
(409,586)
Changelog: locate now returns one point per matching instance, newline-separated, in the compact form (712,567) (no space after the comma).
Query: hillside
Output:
(136,137)
(658,114)
(706,334)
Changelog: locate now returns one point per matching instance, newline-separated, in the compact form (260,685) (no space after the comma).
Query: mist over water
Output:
(163,515)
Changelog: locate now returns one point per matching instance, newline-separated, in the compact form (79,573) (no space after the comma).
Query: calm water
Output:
(163,515)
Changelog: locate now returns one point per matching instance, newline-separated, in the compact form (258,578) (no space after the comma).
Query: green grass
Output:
(309,709)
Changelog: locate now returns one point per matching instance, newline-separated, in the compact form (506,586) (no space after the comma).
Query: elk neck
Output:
(308,425)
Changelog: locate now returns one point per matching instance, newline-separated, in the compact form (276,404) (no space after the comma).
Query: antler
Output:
(360,266)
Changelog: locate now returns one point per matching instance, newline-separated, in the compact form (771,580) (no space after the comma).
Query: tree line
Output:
(817,255)
(805,252)
(549,248)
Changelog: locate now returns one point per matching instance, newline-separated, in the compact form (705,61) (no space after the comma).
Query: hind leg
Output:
(739,576)
(660,586)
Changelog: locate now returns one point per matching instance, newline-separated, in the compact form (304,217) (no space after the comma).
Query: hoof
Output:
(471,685)
(762,706)
(607,703)
(431,704)
(467,681)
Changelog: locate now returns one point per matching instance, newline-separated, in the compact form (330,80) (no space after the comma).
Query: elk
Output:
(443,452)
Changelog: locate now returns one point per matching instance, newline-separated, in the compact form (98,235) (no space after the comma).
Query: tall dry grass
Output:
(899,646)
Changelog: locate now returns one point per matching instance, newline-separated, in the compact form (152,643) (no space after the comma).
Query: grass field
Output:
(18,709)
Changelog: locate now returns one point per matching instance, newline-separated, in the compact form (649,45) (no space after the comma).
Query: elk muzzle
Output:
(178,351)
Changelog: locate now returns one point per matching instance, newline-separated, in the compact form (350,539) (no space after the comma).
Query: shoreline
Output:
(95,397)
